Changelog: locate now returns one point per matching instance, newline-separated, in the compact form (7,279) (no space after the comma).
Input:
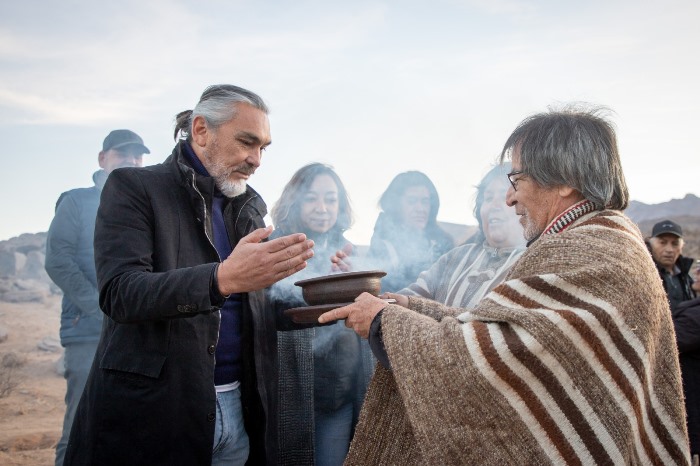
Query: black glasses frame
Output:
(513,182)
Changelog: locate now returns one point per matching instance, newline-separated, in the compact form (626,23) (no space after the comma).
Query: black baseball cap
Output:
(667,226)
(121,138)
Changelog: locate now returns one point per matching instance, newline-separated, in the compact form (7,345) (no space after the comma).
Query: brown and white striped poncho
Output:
(571,360)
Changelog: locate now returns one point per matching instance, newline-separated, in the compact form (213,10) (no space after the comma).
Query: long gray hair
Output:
(574,147)
(217,105)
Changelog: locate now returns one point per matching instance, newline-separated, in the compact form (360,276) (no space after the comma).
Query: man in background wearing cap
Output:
(666,246)
(70,262)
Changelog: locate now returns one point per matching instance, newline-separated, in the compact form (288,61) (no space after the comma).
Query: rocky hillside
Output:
(22,274)
(641,212)
(23,278)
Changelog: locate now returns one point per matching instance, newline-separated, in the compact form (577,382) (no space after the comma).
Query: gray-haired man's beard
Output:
(222,174)
(230,188)
(530,230)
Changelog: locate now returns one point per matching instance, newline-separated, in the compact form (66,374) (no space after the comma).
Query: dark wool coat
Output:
(150,397)
(686,320)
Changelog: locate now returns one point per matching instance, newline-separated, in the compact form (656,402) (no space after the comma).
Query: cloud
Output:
(374,88)
(109,62)
(499,7)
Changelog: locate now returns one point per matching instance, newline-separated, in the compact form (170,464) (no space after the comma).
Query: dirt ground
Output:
(31,414)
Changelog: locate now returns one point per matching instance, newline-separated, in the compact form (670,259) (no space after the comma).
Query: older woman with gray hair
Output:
(467,273)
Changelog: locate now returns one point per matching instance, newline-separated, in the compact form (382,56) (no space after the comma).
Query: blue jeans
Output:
(230,438)
(77,360)
(333,431)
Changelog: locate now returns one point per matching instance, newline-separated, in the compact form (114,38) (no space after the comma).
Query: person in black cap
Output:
(666,247)
(122,148)
(70,262)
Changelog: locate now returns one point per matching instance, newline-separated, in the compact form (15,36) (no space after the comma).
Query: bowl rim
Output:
(341,276)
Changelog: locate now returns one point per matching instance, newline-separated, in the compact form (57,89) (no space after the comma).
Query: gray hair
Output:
(574,147)
(217,105)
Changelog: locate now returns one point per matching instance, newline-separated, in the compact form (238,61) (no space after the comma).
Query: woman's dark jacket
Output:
(150,397)
(319,368)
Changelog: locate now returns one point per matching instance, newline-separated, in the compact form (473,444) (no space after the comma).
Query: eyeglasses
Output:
(514,183)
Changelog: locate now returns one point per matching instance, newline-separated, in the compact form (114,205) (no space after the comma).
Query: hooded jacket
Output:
(70,261)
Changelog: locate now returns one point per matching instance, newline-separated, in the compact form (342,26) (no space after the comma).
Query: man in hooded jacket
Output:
(70,262)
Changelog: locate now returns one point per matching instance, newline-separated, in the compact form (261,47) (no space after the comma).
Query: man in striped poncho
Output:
(571,360)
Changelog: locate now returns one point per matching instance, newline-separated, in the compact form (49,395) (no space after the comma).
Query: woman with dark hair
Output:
(467,273)
(315,202)
(407,238)
(323,371)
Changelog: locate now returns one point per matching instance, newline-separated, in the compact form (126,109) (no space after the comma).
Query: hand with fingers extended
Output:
(341,260)
(254,264)
(358,315)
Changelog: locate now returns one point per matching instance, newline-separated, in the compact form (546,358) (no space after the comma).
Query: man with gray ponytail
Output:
(178,247)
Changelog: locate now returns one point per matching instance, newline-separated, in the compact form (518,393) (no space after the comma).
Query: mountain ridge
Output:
(639,211)
(23,278)
(684,211)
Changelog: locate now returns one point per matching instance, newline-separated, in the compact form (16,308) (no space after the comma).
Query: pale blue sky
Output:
(373,88)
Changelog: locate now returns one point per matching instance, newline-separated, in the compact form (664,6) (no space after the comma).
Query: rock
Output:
(49,343)
(29,242)
(23,296)
(30,442)
(8,263)
(20,261)
(22,274)
(6,285)
(32,285)
(16,290)
(34,266)
(61,366)
(12,360)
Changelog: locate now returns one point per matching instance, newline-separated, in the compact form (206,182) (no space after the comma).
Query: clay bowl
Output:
(340,287)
